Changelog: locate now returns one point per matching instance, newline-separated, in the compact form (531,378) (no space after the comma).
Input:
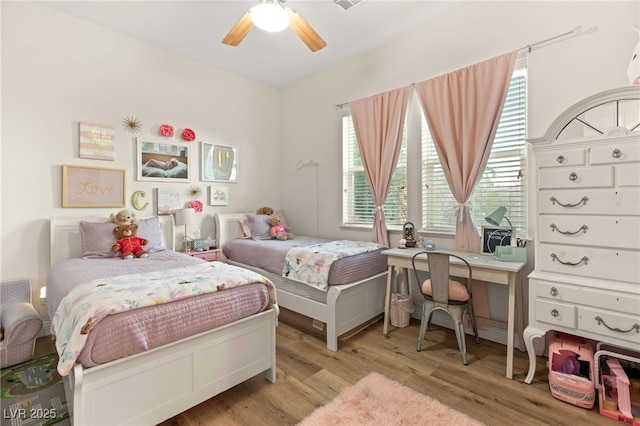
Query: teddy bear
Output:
(123,217)
(265,210)
(129,244)
(279,230)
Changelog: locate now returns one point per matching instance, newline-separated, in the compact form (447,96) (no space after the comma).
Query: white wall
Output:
(58,70)
(559,74)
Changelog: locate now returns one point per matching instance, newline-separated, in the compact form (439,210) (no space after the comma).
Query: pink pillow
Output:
(457,292)
(245,228)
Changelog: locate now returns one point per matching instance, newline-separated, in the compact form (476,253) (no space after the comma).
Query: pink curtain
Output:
(463,109)
(378,121)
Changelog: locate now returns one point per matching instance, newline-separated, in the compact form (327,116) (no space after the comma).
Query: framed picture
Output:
(219,163)
(493,236)
(163,161)
(96,141)
(168,200)
(84,186)
(218,195)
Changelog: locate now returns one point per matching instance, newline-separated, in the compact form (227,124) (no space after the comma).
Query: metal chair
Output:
(440,292)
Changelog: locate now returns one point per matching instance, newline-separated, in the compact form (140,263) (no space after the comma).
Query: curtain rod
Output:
(577,30)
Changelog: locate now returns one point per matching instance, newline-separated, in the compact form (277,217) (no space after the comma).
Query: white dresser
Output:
(586,280)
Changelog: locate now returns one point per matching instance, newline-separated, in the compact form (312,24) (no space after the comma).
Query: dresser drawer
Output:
(629,174)
(613,154)
(604,231)
(596,201)
(612,324)
(209,255)
(608,264)
(559,314)
(565,157)
(593,297)
(576,177)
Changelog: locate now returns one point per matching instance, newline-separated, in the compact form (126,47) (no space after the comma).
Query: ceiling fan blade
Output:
(239,31)
(307,34)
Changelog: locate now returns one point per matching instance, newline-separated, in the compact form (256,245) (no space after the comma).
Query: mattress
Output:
(127,333)
(269,255)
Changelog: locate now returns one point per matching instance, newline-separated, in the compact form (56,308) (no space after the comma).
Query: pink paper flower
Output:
(196,205)
(188,135)
(166,130)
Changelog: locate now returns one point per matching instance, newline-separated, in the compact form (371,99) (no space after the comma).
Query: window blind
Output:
(503,182)
(357,201)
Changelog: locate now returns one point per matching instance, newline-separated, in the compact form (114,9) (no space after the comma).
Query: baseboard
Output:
(46,329)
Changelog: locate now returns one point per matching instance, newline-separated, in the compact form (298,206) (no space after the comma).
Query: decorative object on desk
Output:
(496,217)
(402,243)
(431,245)
(376,399)
(198,244)
(186,218)
(210,243)
(420,243)
(408,234)
(494,236)
(510,254)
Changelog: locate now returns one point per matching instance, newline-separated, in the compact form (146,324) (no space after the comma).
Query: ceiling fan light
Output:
(269,16)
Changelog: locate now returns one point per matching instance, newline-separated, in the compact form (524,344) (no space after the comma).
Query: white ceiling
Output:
(195,29)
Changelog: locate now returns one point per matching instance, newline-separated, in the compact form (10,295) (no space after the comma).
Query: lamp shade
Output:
(495,218)
(186,217)
(269,16)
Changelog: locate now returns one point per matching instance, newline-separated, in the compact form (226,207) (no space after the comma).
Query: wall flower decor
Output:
(132,124)
(188,135)
(166,130)
(196,205)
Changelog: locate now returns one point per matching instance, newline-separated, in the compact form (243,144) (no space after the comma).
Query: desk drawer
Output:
(560,314)
(612,324)
(576,177)
(608,264)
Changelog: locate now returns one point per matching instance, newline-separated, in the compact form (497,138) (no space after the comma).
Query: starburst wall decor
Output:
(132,124)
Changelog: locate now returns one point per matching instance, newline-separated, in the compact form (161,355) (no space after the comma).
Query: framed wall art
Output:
(96,141)
(163,161)
(219,163)
(218,195)
(168,200)
(84,186)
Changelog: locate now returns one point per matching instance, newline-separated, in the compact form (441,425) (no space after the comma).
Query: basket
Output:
(401,309)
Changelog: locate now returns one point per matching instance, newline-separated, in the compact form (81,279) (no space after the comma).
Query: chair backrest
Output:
(15,292)
(439,264)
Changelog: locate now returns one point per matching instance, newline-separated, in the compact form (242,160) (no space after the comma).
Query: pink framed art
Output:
(84,186)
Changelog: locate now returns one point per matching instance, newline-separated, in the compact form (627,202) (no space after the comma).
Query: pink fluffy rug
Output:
(376,400)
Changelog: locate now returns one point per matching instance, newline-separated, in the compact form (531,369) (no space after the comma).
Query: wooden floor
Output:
(309,376)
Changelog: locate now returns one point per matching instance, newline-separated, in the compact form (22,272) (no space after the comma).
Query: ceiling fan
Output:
(271,15)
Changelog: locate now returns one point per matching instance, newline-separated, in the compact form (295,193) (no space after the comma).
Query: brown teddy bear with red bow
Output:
(128,242)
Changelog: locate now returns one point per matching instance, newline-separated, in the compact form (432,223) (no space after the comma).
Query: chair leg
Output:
(473,323)
(461,340)
(424,323)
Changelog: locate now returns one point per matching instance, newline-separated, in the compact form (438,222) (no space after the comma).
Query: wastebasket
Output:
(401,309)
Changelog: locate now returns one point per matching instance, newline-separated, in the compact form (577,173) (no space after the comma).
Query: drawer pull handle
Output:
(573,176)
(584,200)
(555,313)
(616,153)
(584,259)
(583,228)
(553,291)
(561,159)
(635,326)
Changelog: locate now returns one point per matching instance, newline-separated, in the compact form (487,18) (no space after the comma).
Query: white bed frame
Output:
(347,307)
(156,385)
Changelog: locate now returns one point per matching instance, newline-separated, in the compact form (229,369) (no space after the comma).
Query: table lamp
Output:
(495,218)
(185,217)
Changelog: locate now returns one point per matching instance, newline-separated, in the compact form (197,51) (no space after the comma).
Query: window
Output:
(357,201)
(503,182)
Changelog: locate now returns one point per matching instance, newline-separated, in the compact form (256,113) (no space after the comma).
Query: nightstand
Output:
(209,255)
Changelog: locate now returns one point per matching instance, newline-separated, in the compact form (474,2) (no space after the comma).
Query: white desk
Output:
(484,268)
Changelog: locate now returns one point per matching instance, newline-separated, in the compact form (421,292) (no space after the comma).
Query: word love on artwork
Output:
(93,186)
